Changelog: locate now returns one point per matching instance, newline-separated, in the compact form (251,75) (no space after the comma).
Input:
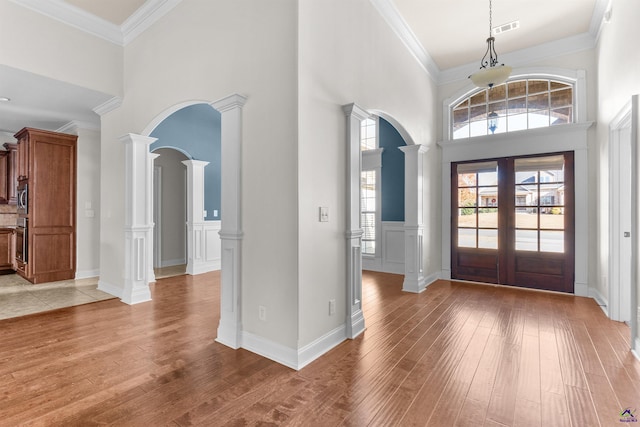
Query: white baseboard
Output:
(271,350)
(109,288)
(86,274)
(172,262)
(581,289)
(429,280)
(288,356)
(322,345)
(206,267)
(636,350)
(600,300)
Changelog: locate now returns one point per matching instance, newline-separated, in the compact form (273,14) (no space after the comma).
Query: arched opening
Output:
(194,131)
(139,221)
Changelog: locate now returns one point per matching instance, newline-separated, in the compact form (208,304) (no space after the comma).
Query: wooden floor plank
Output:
(457,354)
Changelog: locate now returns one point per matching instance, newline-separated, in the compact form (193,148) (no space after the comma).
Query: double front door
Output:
(513,221)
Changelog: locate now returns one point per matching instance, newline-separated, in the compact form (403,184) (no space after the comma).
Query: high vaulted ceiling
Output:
(447,37)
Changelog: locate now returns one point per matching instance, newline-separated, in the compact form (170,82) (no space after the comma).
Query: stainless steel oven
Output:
(23,198)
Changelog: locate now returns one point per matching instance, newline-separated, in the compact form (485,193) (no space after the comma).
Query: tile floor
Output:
(18,297)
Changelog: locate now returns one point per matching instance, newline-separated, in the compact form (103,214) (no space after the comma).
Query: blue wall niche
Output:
(392,171)
(195,131)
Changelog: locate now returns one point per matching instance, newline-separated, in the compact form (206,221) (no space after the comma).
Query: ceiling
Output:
(446,36)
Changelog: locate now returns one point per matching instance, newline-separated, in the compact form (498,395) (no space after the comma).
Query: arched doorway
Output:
(169,212)
(139,221)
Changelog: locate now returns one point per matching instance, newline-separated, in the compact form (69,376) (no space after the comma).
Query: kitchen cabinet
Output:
(4,177)
(12,171)
(6,250)
(47,165)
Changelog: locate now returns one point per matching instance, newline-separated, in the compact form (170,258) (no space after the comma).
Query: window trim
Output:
(371,160)
(577,78)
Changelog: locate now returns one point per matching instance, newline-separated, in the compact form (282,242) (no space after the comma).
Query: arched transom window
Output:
(516,105)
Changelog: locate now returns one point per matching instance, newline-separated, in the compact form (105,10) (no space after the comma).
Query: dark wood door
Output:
(513,221)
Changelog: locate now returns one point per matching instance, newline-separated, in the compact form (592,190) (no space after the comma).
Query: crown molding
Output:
(108,106)
(74,125)
(75,17)
(150,12)
(600,10)
(391,15)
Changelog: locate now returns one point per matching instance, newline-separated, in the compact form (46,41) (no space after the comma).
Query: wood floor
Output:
(457,354)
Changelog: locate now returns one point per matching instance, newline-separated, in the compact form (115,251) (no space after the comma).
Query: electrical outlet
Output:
(332,307)
(262,313)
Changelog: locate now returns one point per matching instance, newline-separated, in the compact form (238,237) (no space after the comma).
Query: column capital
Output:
(193,163)
(414,148)
(134,138)
(356,111)
(229,103)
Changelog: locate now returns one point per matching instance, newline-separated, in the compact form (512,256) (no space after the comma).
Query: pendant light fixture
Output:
(491,73)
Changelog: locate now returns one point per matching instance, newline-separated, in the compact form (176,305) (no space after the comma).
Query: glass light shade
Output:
(491,76)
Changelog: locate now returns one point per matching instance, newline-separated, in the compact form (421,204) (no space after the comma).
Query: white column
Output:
(230,326)
(138,265)
(195,216)
(413,218)
(355,318)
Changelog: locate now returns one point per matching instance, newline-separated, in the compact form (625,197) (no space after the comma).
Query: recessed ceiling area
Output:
(454,32)
(114,11)
(44,103)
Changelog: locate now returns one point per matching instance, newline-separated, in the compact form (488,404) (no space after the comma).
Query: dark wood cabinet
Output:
(47,164)
(12,171)
(6,249)
(4,177)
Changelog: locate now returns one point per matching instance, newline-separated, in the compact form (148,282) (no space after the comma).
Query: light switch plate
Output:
(324,214)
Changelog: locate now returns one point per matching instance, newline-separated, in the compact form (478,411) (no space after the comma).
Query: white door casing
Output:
(620,217)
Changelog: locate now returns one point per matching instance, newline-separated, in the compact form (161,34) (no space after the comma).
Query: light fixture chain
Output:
(490,19)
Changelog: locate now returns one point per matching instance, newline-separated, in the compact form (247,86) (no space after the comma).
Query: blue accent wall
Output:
(392,171)
(195,131)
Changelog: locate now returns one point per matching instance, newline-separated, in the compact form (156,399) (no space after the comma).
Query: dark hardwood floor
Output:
(457,354)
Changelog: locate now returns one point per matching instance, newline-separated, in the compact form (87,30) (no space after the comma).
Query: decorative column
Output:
(413,218)
(195,216)
(355,318)
(138,229)
(230,326)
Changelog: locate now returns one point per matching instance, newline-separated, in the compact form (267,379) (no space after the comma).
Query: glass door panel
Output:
(514,222)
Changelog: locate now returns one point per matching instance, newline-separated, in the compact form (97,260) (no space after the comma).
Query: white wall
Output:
(618,80)
(174,205)
(88,204)
(207,50)
(347,53)
(33,42)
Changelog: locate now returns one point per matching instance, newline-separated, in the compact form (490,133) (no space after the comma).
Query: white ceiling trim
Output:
(150,12)
(392,16)
(75,125)
(108,106)
(75,17)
